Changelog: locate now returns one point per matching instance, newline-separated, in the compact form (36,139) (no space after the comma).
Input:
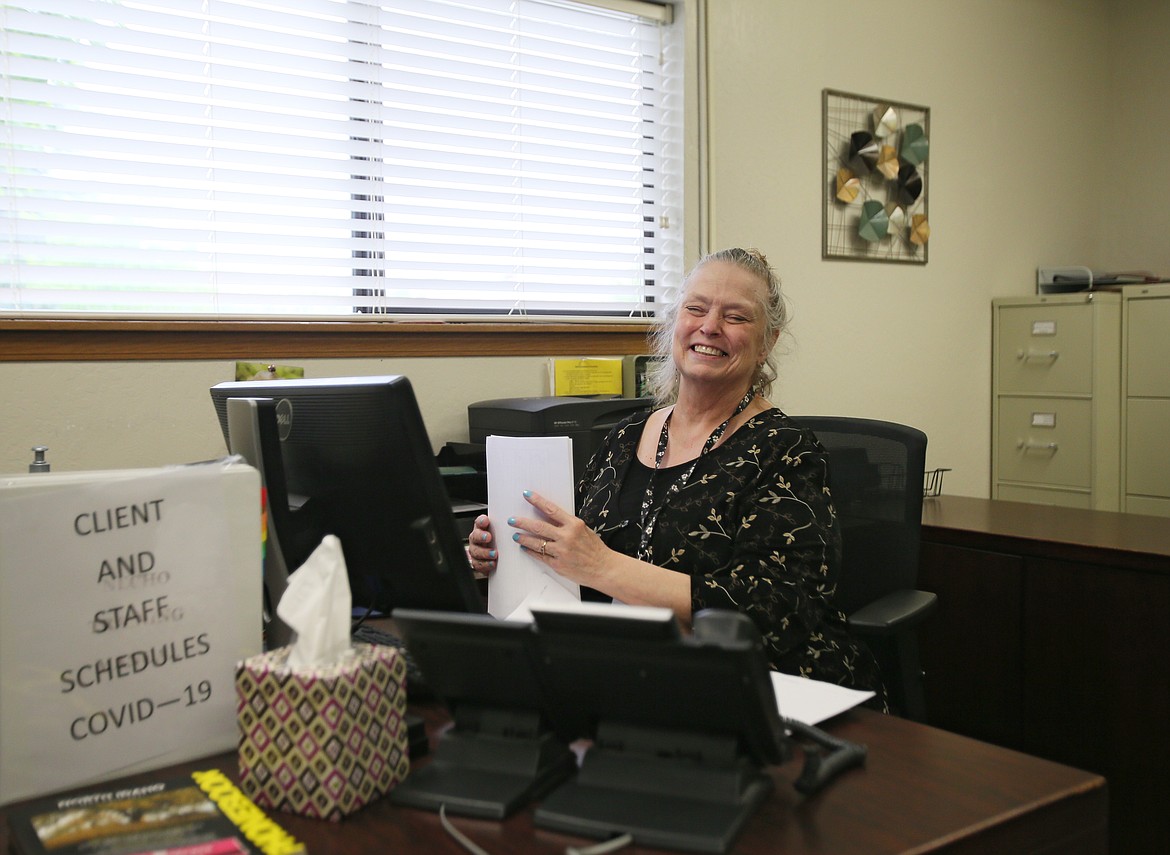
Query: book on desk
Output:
(202,812)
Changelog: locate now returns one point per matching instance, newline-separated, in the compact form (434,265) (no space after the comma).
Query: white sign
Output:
(126,599)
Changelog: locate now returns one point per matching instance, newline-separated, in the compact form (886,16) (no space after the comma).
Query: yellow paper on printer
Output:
(583,376)
(544,465)
(126,599)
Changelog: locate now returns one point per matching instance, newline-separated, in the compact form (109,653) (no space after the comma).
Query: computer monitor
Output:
(350,456)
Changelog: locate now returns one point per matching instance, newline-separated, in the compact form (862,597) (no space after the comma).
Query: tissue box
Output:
(325,742)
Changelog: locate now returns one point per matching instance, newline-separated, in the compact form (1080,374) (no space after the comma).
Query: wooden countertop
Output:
(1134,541)
(921,790)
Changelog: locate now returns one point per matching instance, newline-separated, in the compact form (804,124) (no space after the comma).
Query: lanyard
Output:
(649,512)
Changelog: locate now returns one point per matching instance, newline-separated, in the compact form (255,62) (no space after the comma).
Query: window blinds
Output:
(326,158)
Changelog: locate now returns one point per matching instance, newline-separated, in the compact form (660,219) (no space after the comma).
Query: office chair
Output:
(876,472)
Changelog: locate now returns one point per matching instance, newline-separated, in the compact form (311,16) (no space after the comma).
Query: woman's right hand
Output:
(481,549)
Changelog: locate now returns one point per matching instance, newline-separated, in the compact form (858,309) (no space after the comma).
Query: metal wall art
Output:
(876,179)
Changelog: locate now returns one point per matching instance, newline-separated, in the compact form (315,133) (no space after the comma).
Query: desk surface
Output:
(1130,540)
(922,790)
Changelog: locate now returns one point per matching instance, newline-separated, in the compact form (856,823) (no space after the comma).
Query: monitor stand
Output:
(255,437)
(489,764)
(666,788)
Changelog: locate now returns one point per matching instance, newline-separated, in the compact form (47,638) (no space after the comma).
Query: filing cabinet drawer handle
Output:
(1025,355)
(1029,445)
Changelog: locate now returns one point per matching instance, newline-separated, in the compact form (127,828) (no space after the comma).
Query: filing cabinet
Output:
(1146,399)
(1056,410)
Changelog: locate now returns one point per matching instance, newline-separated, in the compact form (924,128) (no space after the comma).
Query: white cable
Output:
(465,841)
(602,848)
(474,848)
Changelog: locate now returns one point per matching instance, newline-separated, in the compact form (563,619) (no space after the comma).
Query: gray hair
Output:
(662,376)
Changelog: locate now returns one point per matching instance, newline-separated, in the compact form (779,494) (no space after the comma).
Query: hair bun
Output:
(756,254)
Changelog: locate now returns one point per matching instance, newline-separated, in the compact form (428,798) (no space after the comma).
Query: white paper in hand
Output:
(318,606)
(543,464)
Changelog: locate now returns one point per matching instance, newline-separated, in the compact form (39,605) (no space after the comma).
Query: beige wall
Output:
(1015,89)
(1135,212)
(1038,108)
(95,415)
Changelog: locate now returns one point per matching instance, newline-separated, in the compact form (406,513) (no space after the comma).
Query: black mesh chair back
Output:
(876,475)
(876,472)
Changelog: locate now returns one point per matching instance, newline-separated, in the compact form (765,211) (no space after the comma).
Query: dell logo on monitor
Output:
(284,417)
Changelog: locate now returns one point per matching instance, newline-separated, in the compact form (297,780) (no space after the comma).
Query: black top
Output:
(754,528)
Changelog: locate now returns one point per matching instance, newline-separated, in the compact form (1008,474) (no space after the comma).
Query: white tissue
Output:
(318,606)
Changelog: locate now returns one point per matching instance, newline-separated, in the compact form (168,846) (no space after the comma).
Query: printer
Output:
(584,420)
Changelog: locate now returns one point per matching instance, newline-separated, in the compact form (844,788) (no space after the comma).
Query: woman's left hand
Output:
(562,541)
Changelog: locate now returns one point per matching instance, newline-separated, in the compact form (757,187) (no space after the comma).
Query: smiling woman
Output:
(763,309)
(716,499)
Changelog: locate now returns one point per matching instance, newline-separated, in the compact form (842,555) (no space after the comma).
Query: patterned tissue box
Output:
(326,742)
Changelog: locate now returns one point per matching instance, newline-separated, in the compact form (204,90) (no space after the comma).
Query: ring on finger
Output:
(543,546)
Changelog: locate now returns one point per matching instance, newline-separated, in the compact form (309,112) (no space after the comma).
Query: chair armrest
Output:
(894,611)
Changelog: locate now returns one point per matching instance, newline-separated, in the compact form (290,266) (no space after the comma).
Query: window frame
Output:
(54,340)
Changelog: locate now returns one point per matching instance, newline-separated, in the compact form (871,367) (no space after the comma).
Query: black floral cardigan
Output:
(754,528)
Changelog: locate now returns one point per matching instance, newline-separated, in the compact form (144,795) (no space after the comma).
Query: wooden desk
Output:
(1052,636)
(922,790)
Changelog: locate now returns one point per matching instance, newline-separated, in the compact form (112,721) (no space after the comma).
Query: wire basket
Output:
(932,482)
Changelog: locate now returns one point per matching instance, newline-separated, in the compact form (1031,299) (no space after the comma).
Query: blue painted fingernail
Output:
(528,494)
(492,555)
(511,521)
(486,537)
(516,537)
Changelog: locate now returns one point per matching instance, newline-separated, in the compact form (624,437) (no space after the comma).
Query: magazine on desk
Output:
(200,814)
